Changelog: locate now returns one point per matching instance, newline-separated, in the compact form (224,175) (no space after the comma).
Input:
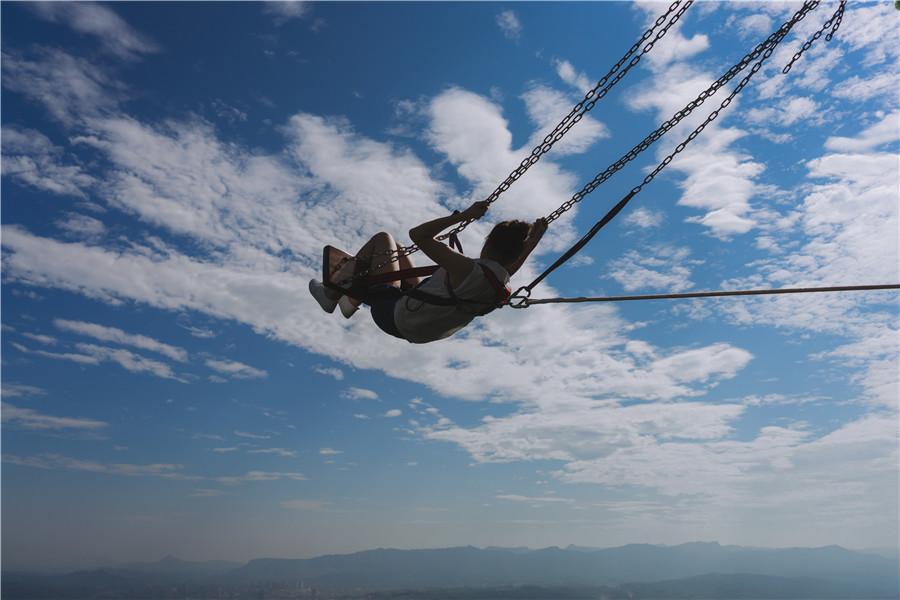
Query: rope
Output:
(526,302)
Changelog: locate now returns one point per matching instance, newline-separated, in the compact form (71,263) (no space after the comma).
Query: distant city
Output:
(697,570)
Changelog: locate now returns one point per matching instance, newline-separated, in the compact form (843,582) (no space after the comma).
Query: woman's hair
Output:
(506,241)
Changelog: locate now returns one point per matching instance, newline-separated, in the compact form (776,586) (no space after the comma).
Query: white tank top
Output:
(420,322)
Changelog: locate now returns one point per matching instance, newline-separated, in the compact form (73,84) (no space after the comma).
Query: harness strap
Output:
(502,292)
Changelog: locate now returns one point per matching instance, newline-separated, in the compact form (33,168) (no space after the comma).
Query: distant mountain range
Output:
(694,570)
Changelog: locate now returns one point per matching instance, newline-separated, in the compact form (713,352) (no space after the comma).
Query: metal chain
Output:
(760,49)
(520,298)
(836,19)
(594,95)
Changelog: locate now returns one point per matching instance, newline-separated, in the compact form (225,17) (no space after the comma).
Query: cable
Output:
(526,302)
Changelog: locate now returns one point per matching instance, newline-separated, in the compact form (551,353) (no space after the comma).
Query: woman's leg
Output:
(404,263)
(371,256)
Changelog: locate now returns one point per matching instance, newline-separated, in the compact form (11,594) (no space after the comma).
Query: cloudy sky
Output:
(171,173)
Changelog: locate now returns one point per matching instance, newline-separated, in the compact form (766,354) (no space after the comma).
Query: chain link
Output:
(764,48)
(520,299)
(834,22)
(630,59)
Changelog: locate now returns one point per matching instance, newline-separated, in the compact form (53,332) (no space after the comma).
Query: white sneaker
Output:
(348,308)
(324,296)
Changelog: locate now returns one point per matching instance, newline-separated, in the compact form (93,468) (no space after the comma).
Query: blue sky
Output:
(171,172)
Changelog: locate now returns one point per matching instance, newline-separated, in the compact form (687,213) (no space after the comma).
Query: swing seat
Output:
(339,268)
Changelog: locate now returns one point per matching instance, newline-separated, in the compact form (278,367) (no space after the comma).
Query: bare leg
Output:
(376,251)
(404,263)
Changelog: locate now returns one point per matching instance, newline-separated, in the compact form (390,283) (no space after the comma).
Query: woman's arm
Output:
(534,236)
(458,266)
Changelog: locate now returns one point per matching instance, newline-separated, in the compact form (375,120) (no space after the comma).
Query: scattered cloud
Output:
(235,369)
(90,18)
(534,499)
(330,452)
(252,476)
(860,89)
(654,268)
(31,159)
(356,393)
(304,504)
(282,452)
(48,340)
(58,461)
(19,390)
(509,24)
(394,412)
(333,372)
(206,493)
(576,79)
(252,436)
(70,88)
(283,11)
(27,418)
(885,131)
(544,106)
(115,335)
(645,218)
(82,227)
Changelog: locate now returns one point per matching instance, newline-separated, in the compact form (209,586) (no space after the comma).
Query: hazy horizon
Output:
(171,172)
(887,552)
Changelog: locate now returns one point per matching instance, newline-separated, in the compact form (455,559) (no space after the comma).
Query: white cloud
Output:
(304,504)
(887,130)
(283,11)
(787,112)
(751,26)
(252,436)
(570,75)
(70,88)
(31,159)
(645,218)
(252,476)
(779,399)
(129,360)
(674,46)
(43,339)
(82,226)
(654,268)
(330,452)
(115,335)
(333,372)
(545,107)
(718,178)
(206,493)
(163,470)
(57,461)
(19,390)
(83,359)
(282,452)
(356,393)
(394,412)
(28,418)
(509,24)
(235,369)
(115,35)
(534,499)
(860,89)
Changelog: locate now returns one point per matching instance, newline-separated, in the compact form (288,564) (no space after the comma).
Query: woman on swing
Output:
(461,287)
